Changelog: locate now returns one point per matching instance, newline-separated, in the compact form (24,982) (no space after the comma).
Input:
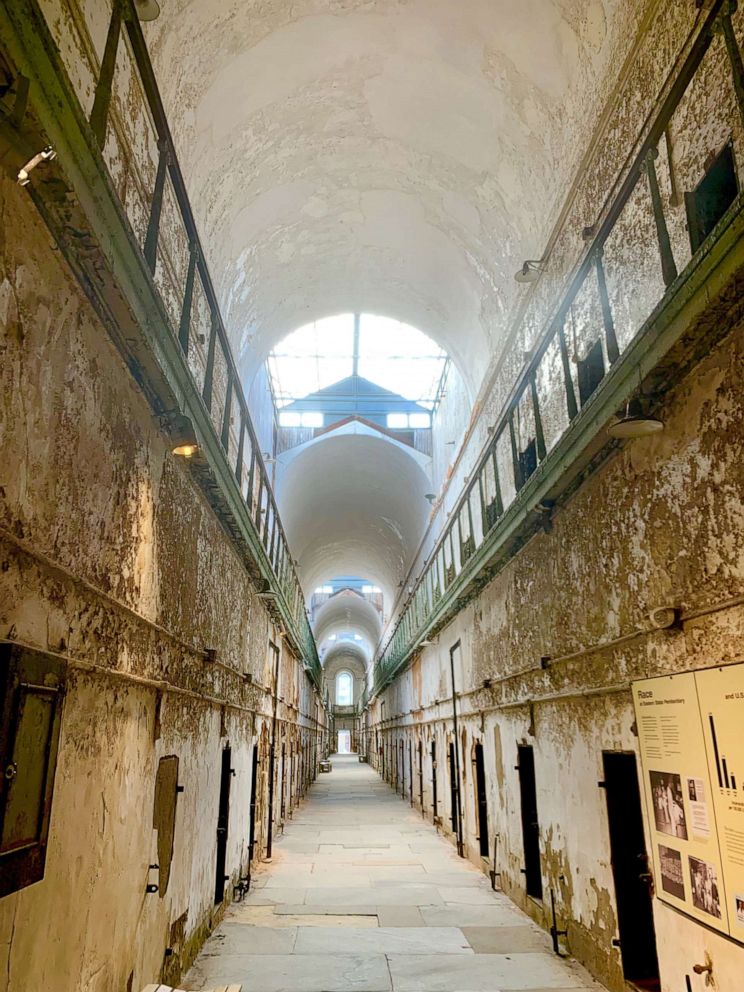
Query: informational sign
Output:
(691,732)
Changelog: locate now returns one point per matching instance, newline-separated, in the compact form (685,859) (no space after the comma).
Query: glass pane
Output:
(344,689)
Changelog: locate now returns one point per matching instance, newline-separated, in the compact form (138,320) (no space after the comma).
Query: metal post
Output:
(225,434)
(734,54)
(613,351)
(153,227)
(668,265)
(102,101)
(184,326)
(209,373)
(572,406)
(539,435)
(515,454)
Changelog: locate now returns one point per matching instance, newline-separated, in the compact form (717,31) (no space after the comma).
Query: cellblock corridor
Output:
(371,495)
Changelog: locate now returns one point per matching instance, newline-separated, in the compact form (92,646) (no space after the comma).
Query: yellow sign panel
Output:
(691,732)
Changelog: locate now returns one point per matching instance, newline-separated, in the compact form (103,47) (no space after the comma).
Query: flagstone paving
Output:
(363,896)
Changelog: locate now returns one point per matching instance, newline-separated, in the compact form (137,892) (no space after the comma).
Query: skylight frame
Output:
(289,363)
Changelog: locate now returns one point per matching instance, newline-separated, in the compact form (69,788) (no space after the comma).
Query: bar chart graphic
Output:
(726,777)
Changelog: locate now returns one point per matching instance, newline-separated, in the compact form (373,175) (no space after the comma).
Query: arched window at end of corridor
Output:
(344,689)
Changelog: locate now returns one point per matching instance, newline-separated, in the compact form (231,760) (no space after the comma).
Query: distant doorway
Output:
(223,817)
(344,742)
(630,869)
(530,823)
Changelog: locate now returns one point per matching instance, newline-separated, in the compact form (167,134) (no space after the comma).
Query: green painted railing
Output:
(122,151)
(615,304)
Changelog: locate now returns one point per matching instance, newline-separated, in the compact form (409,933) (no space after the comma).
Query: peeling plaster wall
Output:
(661,523)
(110,557)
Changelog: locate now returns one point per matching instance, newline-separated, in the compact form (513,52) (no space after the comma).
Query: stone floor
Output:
(364,896)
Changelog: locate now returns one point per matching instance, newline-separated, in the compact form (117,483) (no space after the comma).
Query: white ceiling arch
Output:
(396,156)
(348,612)
(354,504)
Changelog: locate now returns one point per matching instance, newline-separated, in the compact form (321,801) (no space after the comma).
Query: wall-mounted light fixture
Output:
(183,436)
(531,270)
(634,424)
(147,10)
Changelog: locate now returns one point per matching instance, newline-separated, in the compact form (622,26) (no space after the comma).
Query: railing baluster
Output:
(734,53)
(668,265)
(613,351)
(184,327)
(539,434)
(515,453)
(209,372)
(572,406)
(241,445)
(153,227)
(102,100)
(225,433)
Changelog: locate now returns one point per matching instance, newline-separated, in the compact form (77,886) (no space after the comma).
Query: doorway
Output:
(454,791)
(421,775)
(481,802)
(344,742)
(434,803)
(223,818)
(630,870)
(530,822)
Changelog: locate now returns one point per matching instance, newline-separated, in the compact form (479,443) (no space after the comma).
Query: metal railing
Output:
(128,134)
(603,316)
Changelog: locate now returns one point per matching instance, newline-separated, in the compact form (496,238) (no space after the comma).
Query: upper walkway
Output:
(363,895)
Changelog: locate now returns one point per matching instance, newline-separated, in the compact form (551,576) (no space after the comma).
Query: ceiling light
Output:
(531,270)
(634,424)
(183,436)
(430,496)
(147,10)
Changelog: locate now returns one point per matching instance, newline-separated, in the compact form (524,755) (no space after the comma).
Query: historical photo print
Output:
(704,880)
(671,871)
(669,810)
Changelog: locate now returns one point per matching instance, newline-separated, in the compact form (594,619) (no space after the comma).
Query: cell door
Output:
(421,775)
(434,800)
(454,794)
(530,822)
(481,802)
(633,893)
(223,818)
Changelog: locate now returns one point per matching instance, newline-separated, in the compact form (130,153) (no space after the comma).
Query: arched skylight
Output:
(391,354)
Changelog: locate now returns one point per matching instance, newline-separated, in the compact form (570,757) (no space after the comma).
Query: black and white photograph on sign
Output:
(671,871)
(669,809)
(704,880)
(739,901)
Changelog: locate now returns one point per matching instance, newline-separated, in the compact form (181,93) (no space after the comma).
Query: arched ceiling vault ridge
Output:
(348,612)
(396,157)
(353,505)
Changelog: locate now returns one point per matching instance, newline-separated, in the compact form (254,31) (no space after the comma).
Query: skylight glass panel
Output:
(400,358)
(312,357)
(390,354)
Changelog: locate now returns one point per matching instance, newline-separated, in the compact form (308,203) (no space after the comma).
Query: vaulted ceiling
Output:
(399,157)
(396,156)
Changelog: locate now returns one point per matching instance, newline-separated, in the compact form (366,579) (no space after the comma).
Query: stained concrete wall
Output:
(112,560)
(660,525)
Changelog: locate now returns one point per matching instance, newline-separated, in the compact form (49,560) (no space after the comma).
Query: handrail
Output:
(239,444)
(467,531)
